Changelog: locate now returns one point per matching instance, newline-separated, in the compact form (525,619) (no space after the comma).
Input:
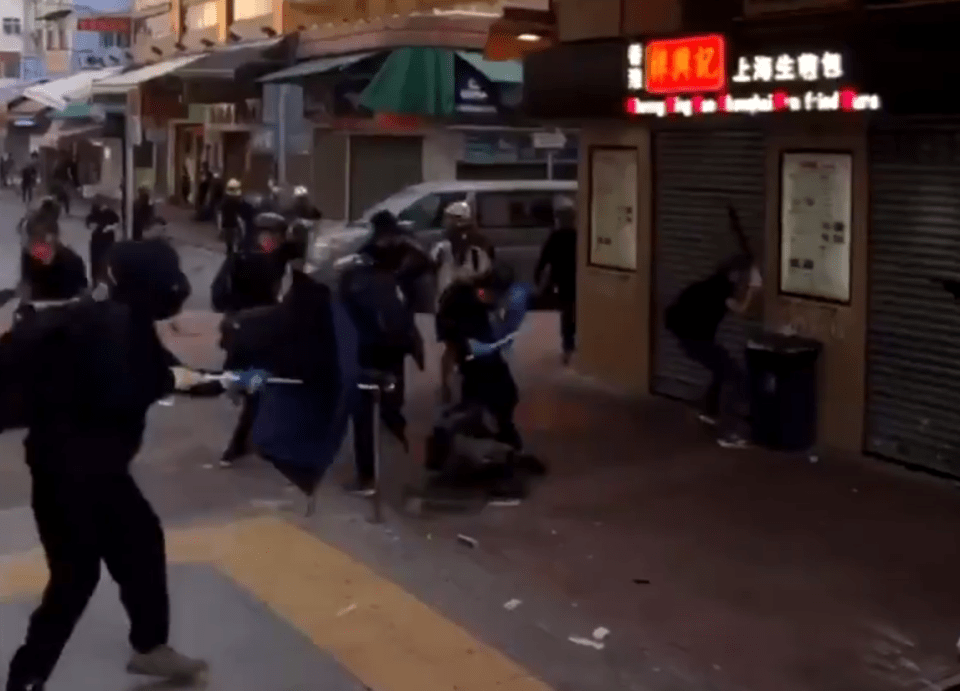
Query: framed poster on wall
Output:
(613,208)
(816,215)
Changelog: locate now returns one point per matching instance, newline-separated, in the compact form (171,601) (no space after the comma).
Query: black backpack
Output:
(379,310)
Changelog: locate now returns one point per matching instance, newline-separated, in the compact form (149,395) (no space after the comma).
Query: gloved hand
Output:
(248,381)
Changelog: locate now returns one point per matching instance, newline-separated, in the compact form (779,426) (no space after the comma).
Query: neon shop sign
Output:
(687,77)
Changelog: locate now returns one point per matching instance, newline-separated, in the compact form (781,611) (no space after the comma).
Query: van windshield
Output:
(395,204)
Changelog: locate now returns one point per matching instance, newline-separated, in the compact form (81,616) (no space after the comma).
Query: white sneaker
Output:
(166,663)
(732,441)
(707,419)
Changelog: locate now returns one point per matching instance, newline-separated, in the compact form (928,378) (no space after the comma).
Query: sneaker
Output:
(166,663)
(360,488)
(707,419)
(732,441)
(28,686)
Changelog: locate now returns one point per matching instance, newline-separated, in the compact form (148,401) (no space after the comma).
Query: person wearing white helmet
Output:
(302,208)
(234,216)
(464,253)
(557,270)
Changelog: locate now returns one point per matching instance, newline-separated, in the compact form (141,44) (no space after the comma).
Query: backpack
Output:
(379,310)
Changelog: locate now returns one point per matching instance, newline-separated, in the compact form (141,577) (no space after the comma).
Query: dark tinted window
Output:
(515,209)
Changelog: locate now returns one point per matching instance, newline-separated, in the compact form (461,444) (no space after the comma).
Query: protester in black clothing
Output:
(234,216)
(255,274)
(6,168)
(557,270)
(102,222)
(203,186)
(464,314)
(86,392)
(60,183)
(302,207)
(694,318)
(49,270)
(145,218)
(29,176)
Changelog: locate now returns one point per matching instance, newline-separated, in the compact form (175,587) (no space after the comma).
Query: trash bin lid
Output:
(782,343)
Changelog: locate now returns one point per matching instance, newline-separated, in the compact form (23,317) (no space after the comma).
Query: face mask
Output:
(41,251)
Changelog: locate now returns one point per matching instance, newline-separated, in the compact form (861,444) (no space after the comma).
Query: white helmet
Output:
(460,211)
(300,191)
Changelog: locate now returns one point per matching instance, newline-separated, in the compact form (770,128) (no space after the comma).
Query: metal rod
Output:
(377,497)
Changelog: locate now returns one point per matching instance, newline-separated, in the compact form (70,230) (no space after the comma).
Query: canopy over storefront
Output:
(245,62)
(60,93)
(122,83)
(313,68)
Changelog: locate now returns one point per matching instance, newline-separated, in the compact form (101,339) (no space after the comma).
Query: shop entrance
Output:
(697,173)
(913,332)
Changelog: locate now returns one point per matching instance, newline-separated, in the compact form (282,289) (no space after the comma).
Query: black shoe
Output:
(360,488)
(530,464)
(25,686)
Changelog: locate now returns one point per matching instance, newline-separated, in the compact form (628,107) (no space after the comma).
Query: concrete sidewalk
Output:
(759,571)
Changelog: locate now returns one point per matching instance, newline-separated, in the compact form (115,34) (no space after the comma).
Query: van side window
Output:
(427,212)
(515,209)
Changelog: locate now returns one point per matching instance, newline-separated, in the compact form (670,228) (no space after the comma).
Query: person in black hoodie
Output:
(87,372)
(29,177)
(234,217)
(49,270)
(557,270)
(145,216)
(694,318)
(102,221)
(255,274)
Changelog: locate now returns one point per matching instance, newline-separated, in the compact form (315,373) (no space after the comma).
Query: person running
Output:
(102,221)
(694,318)
(557,270)
(49,270)
(234,216)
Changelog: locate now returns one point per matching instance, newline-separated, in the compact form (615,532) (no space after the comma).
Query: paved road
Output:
(278,602)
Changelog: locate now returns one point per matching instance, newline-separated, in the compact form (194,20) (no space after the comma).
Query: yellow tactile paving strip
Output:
(383,635)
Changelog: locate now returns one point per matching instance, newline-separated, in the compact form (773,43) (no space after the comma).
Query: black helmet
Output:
(271,222)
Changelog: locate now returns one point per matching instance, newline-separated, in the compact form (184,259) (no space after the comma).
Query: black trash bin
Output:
(782,376)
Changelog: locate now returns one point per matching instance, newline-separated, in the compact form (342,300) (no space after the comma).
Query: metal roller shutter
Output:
(381,166)
(913,345)
(696,175)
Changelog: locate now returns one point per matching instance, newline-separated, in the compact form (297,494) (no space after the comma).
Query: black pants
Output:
(489,382)
(82,523)
(391,414)
(26,193)
(240,441)
(724,393)
(100,243)
(568,323)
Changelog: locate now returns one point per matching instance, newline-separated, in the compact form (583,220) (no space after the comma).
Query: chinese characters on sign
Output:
(807,67)
(688,73)
(683,65)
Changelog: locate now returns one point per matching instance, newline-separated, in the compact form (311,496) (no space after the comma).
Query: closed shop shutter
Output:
(330,151)
(913,344)
(696,175)
(381,166)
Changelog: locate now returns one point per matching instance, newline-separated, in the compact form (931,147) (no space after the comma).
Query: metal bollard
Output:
(376,392)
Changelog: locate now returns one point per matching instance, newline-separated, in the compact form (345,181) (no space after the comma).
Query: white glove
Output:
(185,379)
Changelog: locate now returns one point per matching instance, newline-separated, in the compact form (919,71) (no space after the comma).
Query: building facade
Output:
(820,127)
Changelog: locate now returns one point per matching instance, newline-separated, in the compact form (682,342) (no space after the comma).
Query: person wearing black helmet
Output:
(252,277)
(87,371)
(465,315)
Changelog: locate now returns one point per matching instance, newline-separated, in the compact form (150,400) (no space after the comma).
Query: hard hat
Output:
(233,186)
(459,210)
(300,191)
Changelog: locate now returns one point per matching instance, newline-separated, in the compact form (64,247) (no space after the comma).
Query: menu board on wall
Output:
(613,208)
(815,224)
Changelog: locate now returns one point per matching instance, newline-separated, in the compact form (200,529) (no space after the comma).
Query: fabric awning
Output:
(413,81)
(27,108)
(65,129)
(497,71)
(122,83)
(75,111)
(315,67)
(59,93)
(241,62)
(13,92)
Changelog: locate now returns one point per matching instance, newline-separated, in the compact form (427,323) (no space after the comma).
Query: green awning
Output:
(497,71)
(315,67)
(413,81)
(74,111)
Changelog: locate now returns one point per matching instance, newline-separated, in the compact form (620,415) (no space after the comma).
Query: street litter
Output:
(346,610)
(467,540)
(586,642)
(512,604)
(600,633)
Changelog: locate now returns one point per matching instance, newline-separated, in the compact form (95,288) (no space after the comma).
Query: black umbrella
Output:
(309,337)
